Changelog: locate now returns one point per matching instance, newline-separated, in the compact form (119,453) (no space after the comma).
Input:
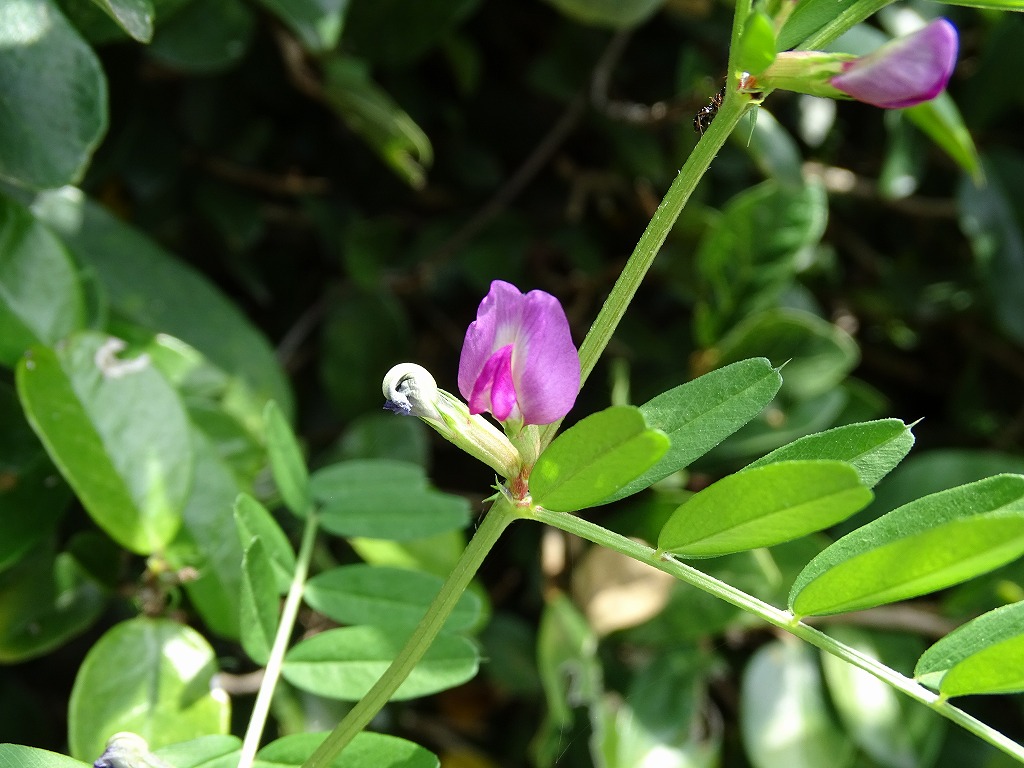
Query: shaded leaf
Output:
(254,521)
(819,354)
(345,663)
(203,545)
(372,114)
(942,122)
(146,284)
(133,16)
(317,23)
(286,460)
(608,13)
(54,110)
(258,603)
(44,602)
(380,498)
(41,300)
(362,594)
(204,37)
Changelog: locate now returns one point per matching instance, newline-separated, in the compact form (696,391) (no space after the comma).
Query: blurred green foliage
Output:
(281,199)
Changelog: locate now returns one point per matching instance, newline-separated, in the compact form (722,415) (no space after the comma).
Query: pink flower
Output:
(518,360)
(905,71)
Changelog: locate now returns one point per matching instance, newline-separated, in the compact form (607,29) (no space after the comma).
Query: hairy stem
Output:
(779,618)
(494,523)
(653,238)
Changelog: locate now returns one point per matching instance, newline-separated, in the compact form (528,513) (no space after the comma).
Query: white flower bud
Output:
(411,391)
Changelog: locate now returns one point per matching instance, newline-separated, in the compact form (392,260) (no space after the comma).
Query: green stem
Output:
(653,238)
(496,520)
(841,22)
(779,618)
(272,673)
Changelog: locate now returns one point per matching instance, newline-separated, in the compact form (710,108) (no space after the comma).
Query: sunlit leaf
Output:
(701,413)
(595,458)
(985,655)
(928,544)
(764,506)
(117,431)
(153,677)
(872,448)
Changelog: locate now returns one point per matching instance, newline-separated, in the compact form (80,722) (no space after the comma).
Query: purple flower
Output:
(518,360)
(905,71)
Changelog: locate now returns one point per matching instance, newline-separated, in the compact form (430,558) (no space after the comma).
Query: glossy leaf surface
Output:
(595,458)
(152,677)
(928,544)
(54,112)
(41,299)
(764,506)
(117,431)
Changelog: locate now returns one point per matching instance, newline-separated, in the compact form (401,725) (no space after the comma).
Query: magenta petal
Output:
(544,365)
(907,71)
(494,390)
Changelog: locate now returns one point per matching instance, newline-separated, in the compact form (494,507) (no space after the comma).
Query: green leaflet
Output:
(985,655)
(594,459)
(928,544)
(764,506)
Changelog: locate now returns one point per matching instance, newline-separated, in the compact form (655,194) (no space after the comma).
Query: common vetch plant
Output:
(155,435)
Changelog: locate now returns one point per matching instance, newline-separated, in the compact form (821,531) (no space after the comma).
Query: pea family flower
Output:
(905,71)
(518,360)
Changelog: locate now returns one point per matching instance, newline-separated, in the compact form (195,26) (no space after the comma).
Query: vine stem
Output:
(777,617)
(272,673)
(494,523)
(614,308)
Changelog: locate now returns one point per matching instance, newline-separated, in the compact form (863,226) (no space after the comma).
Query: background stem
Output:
(494,523)
(653,238)
(272,673)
